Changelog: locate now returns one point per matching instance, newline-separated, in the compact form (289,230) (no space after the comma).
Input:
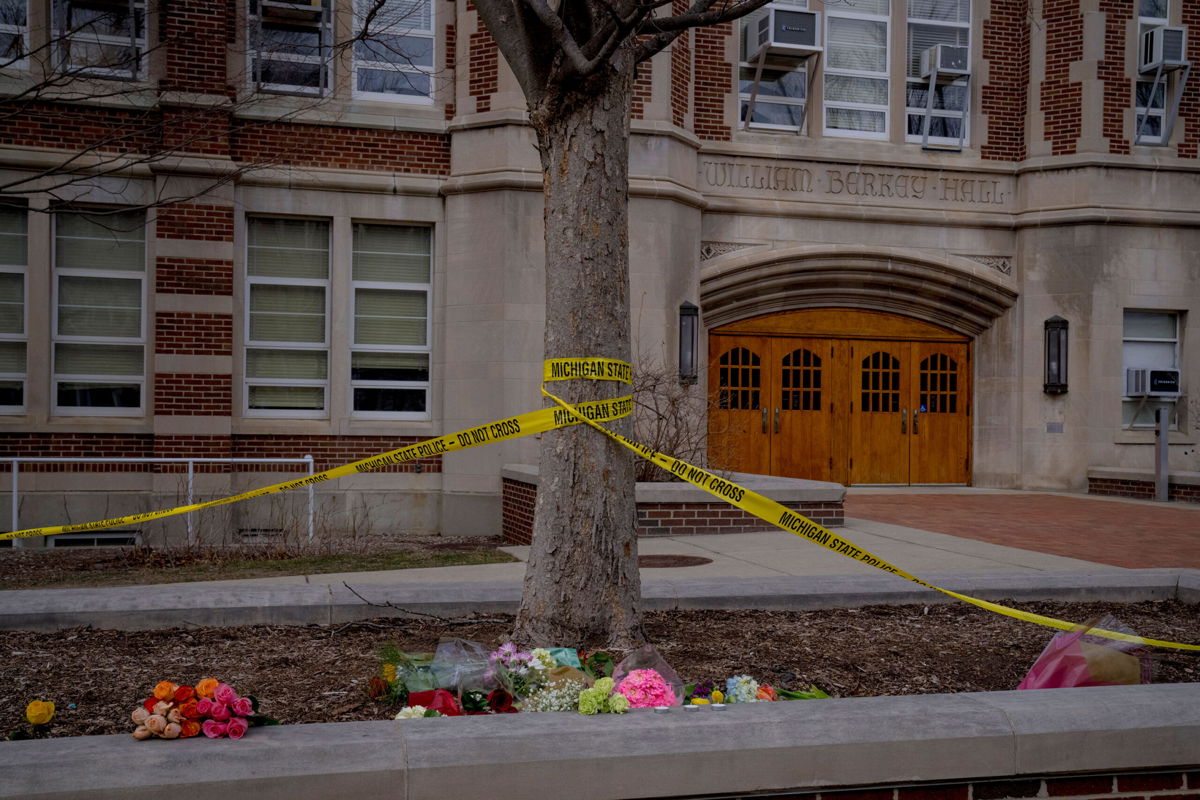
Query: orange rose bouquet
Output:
(175,711)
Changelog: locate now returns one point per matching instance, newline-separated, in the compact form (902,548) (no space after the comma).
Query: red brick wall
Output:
(451,62)
(1062,99)
(642,88)
(484,67)
(193,394)
(518,500)
(195,131)
(77,445)
(199,221)
(195,446)
(193,334)
(1142,490)
(681,72)
(1189,104)
(1005,97)
(341,148)
(328,451)
(74,127)
(1118,88)
(210,276)
(193,40)
(713,83)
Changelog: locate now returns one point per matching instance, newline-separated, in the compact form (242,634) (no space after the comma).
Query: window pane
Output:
(857,44)
(101,241)
(12,237)
(12,12)
(414,84)
(1149,354)
(855,119)
(98,359)
(416,51)
(12,303)
(1148,96)
(847,89)
(389,399)
(923,37)
(391,254)
(288,248)
(12,393)
(99,307)
(99,395)
(286,364)
(287,313)
(774,113)
(775,83)
(1152,8)
(944,127)
(12,357)
(1149,325)
(394,16)
(282,38)
(383,316)
(290,73)
(285,398)
(946,96)
(942,10)
(371,366)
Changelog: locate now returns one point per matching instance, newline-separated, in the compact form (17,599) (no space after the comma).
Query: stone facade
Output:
(1050,208)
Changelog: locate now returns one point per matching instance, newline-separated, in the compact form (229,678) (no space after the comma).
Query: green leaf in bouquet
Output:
(813,693)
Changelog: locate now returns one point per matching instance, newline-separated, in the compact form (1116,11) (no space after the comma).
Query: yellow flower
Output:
(718,696)
(389,673)
(39,712)
(699,701)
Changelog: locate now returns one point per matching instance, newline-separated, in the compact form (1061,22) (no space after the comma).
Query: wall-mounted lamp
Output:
(689,341)
(1056,356)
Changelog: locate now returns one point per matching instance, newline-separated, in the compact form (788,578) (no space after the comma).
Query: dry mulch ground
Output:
(319,673)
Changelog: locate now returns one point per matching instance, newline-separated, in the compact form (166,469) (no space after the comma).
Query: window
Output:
(389,362)
(12,310)
(14,34)
(291,46)
(393,54)
(100,38)
(856,69)
(287,329)
(1150,100)
(1151,339)
(782,88)
(930,23)
(99,301)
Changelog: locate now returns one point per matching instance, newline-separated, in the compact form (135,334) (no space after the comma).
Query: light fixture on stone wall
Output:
(689,340)
(1056,356)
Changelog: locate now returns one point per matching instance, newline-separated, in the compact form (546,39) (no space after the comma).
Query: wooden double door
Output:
(841,406)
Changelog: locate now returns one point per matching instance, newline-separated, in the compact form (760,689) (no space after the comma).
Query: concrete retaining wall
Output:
(984,746)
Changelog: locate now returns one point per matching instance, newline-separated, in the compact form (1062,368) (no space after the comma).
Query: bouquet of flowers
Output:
(176,711)
(601,699)
(522,672)
(645,688)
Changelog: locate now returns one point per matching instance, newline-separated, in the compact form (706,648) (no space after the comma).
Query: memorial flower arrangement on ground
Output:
(465,678)
(176,711)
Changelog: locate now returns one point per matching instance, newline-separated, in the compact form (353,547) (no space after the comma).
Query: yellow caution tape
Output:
(523,425)
(592,413)
(789,520)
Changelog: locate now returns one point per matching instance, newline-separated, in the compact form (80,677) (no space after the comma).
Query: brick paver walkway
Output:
(1133,535)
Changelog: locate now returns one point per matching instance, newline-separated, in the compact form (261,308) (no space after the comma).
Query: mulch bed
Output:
(319,673)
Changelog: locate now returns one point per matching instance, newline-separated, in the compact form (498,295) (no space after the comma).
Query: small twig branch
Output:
(443,620)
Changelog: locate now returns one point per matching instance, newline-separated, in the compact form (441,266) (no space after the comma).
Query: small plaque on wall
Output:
(1054,427)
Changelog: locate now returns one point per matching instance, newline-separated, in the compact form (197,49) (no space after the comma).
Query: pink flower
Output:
(645,688)
(219,712)
(213,729)
(204,707)
(224,693)
(237,728)
(155,723)
(243,707)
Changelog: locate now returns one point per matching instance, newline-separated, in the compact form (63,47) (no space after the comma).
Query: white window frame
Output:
(1172,401)
(56,339)
(411,99)
(1145,24)
(23,32)
(254,344)
(60,36)
(924,82)
(827,104)
(22,338)
(426,350)
(325,59)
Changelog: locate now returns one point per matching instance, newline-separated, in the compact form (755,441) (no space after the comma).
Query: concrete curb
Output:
(183,605)
(793,746)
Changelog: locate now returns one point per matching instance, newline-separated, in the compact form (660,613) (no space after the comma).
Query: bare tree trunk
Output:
(582,586)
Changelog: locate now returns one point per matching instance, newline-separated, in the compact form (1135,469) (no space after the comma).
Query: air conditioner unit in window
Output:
(1150,382)
(1164,47)
(946,59)
(299,11)
(782,30)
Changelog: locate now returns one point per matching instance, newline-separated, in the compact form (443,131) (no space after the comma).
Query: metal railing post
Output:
(16,502)
(311,471)
(191,530)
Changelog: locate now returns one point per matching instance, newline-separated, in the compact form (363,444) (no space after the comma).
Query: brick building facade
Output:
(287,242)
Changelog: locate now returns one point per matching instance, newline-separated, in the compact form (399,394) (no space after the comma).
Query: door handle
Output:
(777,420)
(904,420)
(764,424)
(916,413)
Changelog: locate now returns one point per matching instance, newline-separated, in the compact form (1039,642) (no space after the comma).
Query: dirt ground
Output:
(319,673)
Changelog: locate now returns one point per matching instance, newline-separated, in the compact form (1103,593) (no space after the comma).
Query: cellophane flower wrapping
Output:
(1074,658)
(647,658)
(461,666)
(520,672)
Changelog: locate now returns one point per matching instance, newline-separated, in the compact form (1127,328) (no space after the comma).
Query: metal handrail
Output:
(191,462)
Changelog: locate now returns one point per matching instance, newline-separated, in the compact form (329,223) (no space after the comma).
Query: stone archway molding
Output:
(952,291)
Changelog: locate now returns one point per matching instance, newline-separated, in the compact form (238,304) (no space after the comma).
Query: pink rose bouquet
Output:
(645,688)
(219,712)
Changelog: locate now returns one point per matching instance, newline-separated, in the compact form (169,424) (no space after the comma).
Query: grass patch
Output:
(236,569)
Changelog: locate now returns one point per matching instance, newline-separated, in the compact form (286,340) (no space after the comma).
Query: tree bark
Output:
(582,586)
